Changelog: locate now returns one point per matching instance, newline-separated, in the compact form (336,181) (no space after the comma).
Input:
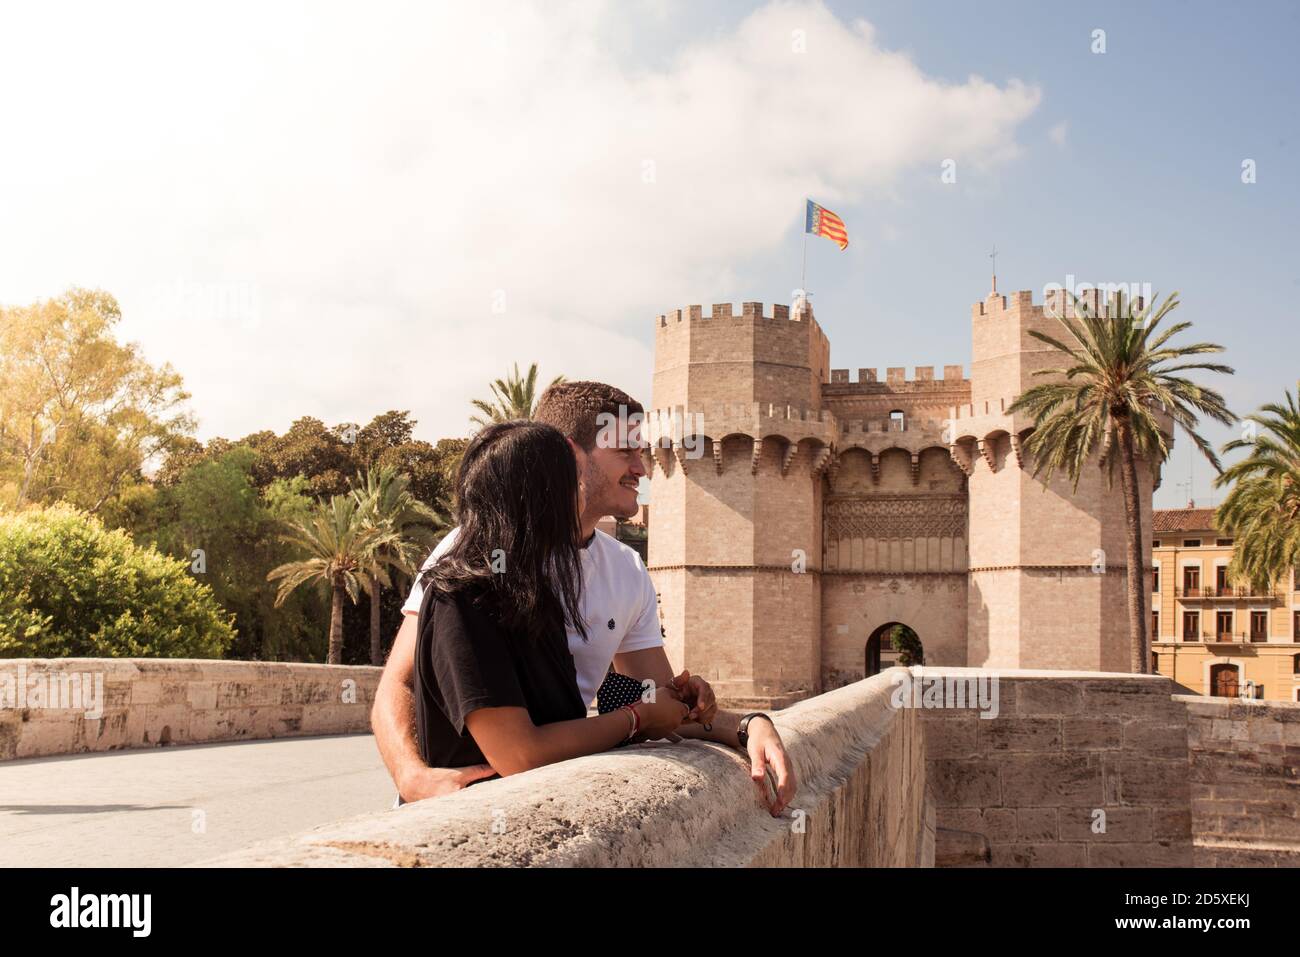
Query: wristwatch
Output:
(742,729)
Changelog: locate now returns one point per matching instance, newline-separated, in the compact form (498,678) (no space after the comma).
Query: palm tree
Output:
(512,398)
(337,539)
(1120,369)
(1262,512)
(406,528)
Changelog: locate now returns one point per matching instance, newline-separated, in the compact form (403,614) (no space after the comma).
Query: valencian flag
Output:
(822,222)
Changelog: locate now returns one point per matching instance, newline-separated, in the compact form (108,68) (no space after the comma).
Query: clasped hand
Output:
(668,707)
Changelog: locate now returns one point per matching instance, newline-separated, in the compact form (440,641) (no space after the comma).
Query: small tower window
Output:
(897,421)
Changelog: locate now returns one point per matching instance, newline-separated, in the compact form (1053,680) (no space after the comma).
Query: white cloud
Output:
(308,209)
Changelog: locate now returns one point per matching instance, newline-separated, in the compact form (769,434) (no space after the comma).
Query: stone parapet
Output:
(1245,781)
(73,705)
(1069,769)
(861,802)
(1077,769)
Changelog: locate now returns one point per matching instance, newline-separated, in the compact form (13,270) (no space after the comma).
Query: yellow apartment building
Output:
(1209,635)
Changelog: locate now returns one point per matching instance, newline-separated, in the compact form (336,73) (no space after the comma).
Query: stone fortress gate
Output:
(800,512)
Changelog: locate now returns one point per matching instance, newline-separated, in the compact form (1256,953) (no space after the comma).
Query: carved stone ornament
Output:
(912,517)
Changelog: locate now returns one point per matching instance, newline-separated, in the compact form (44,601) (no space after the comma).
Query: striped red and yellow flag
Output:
(822,222)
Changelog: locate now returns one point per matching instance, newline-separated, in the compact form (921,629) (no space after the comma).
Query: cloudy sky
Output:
(335,210)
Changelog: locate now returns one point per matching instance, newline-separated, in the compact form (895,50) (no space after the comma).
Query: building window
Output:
(1295,664)
(1191,580)
(1223,542)
(1155,625)
(897,421)
(1191,543)
(1295,627)
(1221,580)
(1155,663)
(1295,580)
(1259,626)
(1223,625)
(1191,626)
(1155,543)
(1155,580)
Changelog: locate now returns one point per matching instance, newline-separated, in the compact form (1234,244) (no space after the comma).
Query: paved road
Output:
(169,806)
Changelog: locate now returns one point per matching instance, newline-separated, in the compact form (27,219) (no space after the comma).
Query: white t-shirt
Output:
(617,602)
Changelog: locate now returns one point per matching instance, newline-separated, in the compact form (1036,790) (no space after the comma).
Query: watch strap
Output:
(742,729)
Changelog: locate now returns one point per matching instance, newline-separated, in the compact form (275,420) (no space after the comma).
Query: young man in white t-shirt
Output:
(618,602)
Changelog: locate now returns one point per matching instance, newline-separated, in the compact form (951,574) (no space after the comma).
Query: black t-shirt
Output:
(465,660)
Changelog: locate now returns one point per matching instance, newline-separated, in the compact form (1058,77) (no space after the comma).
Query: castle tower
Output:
(735,536)
(1047,585)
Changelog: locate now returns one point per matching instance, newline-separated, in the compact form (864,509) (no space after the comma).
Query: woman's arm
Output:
(512,743)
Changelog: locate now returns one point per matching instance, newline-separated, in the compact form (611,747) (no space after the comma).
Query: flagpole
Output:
(803,273)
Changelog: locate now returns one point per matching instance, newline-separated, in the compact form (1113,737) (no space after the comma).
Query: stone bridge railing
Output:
(861,802)
(70,705)
(1026,768)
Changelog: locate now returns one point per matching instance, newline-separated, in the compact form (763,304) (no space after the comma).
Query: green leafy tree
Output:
(1262,511)
(219,523)
(385,431)
(338,541)
(514,397)
(908,645)
(310,449)
(240,494)
(185,453)
(405,530)
(326,456)
(80,413)
(71,588)
(1104,401)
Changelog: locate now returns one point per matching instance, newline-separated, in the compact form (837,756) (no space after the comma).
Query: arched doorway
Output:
(880,648)
(1223,681)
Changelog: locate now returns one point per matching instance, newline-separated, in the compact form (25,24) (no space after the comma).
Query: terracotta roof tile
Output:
(1182,520)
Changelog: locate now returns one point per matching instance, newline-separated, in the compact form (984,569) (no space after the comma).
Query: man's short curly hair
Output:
(573,407)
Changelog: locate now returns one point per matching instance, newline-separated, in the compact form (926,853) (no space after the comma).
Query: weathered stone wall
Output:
(1030,786)
(861,802)
(1181,779)
(142,702)
(1245,781)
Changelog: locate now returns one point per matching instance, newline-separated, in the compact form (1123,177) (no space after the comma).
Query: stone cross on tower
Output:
(994,256)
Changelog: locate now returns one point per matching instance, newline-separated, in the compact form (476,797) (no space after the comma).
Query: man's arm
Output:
(392,718)
(765,745)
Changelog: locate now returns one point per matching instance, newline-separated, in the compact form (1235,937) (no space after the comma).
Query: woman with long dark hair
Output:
(494,679)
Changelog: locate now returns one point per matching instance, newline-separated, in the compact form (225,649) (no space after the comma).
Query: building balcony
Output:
(1239,640)
(1230,593)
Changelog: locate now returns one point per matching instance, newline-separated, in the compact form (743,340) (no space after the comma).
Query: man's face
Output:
(610,474)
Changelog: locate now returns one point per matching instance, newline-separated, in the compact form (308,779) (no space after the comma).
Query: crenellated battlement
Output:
(1108,301)
(896,380)
(722,311)
(678,435)
(754,419)
(740,354)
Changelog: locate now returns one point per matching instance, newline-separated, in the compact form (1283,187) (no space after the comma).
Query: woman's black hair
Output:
(517,550)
